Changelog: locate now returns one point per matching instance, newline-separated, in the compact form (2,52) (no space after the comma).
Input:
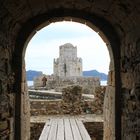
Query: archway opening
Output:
(44,47)
(86,51)
(114,83)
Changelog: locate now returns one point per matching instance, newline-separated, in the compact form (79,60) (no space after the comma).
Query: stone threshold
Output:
(83,118)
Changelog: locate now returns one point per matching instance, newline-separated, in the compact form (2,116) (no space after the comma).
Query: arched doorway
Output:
(108,34)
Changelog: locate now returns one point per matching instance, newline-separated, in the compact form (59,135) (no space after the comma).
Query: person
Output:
(44,79)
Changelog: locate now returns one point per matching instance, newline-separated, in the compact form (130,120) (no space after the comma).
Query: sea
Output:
(103,83)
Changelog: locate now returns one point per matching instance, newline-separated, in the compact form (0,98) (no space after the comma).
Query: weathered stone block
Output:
(3,125)
(127,81)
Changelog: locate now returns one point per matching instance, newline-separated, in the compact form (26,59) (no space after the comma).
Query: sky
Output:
(44,47)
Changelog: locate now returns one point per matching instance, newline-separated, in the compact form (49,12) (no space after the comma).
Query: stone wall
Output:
(57,107)
(45,107)
(88,83)
(118,23)
(131,87)
(7,79)
(25,107)
(58,83)
(109,105)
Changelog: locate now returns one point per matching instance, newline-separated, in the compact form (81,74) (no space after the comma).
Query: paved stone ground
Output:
(84,118)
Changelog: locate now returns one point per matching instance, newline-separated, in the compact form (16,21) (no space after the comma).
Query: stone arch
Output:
(99,24)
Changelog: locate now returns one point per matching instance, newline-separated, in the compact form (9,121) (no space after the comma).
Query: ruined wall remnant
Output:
(72,102)
(58,83)
(88,84)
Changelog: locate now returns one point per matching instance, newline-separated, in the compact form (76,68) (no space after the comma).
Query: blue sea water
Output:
(30,83)
(103,83)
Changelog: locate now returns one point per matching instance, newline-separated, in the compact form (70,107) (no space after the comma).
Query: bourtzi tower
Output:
(68,64)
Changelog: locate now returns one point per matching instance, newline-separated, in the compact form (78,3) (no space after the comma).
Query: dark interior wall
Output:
(130,70)
(118,20)
(7,94)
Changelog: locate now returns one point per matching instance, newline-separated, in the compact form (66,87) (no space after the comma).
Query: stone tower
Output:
(68,64)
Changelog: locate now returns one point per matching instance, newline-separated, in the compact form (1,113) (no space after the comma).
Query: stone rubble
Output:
(71,100)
